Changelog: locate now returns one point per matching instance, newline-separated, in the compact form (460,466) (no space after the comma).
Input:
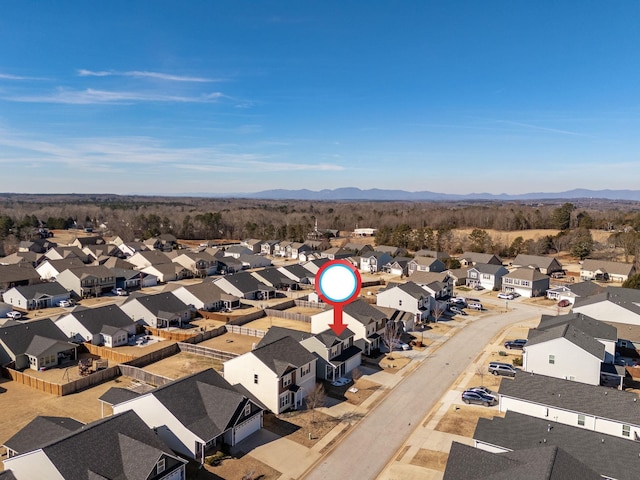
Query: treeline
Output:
(411,225)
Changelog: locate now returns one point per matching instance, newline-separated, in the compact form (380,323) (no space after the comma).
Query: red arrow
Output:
(337,326)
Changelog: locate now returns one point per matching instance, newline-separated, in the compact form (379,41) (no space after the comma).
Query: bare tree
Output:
(391,336)
(314,399)
(438,310)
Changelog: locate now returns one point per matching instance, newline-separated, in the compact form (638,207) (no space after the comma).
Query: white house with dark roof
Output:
(468,259)
(34,345)
(252,244)
(147,258)
(365,321)
(601,409)
(279,374)
(486,275)
(571,347)
(606,271)
(167,272)
(267,247)
(527,282)
(205,296)
(40,431)
(87,281)
(245,285)
(200,264)
(546,265)
(611,456)
(161,310)
(49,269)
(374,261)
(195,414)
(107,325)
(407,297)
(572,291)
(124,448)
(615,305)
(31,297)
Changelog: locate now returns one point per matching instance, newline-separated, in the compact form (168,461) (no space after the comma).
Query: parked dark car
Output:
(483,390)
(515,344)
(469,396)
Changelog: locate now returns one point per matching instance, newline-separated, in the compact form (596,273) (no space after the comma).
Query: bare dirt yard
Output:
(305,427)
(463,421)
(232,342)
(364,389)
(431,459)
(236,467)
(394,362)
(265,323)
(183,364)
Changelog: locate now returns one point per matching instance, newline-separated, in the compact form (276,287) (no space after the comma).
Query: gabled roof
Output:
(160,302)
(94,319)
(425,278)
(590,326)
(204,402)
(273,276)
(127,449)
(627,298)
(96,271)
(283,355)
(41,430)
(153,256)
(298,271)
(40,345)
(526,273)
(205,292)
(116,395)
(488,268)
(425,261)
(363,312)
(39,290)
(608,455)
(539,261)
(616,268)
(17,338)
(432,253)
(245,282)
(18,272)
(585,289)
(277,333)
(572,334)
(410,288)
(540,463)
(603,402)
(481,257)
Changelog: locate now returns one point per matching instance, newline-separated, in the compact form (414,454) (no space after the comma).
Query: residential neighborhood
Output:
(200,352)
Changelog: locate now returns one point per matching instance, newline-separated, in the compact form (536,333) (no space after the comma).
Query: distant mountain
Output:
(350,193)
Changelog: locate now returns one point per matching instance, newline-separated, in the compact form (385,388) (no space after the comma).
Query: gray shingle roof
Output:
(539,261)
(116,395)
(543,463)
(41,430)
(572,334)
(277,333)
(489,268)
(525,273)
(125,448)
(39,345)
(628,298)
(575,396)
(205,402)
(588,325)
(616,268)
(282,355)
(41,289)
(614,457)
(585,289)
(94,319)
(161,302)
(17,338)
(363,312)
(245,282)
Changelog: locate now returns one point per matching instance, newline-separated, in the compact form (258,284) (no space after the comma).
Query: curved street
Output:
(376,439)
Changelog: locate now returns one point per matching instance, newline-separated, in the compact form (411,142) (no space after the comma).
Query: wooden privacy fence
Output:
(288,315)
(307,304)
(144,376)
(92,379)
(253,332)
(207,352)
(108,353)
(154,356)
(173,335)
(206,335)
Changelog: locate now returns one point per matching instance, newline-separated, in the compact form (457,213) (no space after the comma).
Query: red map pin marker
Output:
(338,283)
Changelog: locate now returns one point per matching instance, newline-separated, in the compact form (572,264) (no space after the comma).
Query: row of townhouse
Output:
(555,409)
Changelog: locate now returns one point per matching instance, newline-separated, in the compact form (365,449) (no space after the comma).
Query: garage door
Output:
(176,475)
(246,428)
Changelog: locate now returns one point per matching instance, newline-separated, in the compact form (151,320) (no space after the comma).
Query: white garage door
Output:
(177,475)
(247,427)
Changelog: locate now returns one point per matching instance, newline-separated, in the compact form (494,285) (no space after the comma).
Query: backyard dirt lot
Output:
(265,323)
(232,342)
(183,364)
(463,421)
(20,404)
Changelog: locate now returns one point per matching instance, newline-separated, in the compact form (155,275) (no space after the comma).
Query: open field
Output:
(183,364)
(265,323)
(232,342)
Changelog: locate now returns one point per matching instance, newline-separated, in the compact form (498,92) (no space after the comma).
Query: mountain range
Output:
(350,193)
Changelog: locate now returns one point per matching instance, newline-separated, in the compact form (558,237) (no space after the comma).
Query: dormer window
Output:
(160,466)
(247,409)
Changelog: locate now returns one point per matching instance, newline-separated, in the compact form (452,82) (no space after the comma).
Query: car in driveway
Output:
(517,344)
(457,310)
(479,398)
(475,306)
(500,368)
(341,382)
(65,303)
(506,296)
(15,315)
(484,390)
(120,292)
(564,303)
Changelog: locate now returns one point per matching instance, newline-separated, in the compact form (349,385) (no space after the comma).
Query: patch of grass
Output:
(463,421)
(431,459)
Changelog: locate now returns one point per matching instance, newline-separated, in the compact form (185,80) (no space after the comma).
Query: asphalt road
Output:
(375,440)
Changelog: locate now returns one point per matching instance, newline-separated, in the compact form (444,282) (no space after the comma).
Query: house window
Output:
(552,359)
(286,381)
(626,431)
(160,466)
(247,409)
(525,283)
(284,400)
(581,420)
(400,303)
(305,369)
(255,378)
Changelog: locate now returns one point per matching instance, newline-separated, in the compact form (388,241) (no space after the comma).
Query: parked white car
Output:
(506,296)
(121,292)
(15,315)
(65,303)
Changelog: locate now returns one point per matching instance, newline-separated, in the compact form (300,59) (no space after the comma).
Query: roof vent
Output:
(603,440)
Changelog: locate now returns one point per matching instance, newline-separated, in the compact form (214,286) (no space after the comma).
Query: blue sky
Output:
(180,97)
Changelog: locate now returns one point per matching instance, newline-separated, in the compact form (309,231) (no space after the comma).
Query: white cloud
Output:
(92,96)
(144,74)
(8,76)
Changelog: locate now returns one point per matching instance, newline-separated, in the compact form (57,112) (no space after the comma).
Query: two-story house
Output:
(88,281)
(546,265)
(486,275)
(161,310)
(425,264)
(407,297)
(106,325)
(279,374)
(527,282)
(603,270)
